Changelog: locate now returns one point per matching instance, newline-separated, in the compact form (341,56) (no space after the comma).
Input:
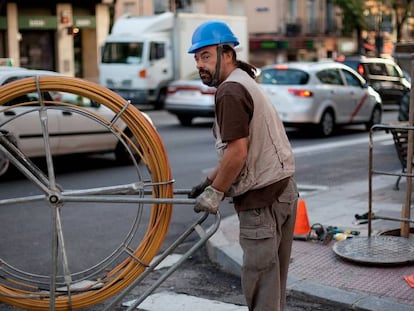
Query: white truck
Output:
(142,54)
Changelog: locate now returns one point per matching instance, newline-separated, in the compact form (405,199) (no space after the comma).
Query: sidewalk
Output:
(316,273)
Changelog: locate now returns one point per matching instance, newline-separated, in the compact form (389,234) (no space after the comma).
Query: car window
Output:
(330,76)
(27,98)
(73,99)
(377,69)
(351,79)
(393,71)
(284,76)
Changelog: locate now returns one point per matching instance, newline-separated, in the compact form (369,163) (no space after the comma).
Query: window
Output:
(351,79)
(122,52)
(392,71)
(377,69)
(284,77)
(330,76)
(157,50)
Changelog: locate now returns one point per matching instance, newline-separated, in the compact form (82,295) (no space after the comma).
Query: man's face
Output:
(206,59)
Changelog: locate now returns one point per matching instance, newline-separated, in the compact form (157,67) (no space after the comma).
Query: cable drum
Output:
(18,292)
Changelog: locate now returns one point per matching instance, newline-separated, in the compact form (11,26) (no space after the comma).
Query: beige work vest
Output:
(270,157)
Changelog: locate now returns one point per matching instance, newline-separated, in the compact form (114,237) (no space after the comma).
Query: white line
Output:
(169,301)
(322,147)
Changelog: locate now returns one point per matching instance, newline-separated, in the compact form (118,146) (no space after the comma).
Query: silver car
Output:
(189,98)
(321,95)
(70,130)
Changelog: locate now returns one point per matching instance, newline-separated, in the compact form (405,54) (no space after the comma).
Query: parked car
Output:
(321,95)
(190,98)
(384,75)
(404,109)
(70,132)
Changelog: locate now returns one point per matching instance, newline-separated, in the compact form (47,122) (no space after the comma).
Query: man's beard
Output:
(206,77)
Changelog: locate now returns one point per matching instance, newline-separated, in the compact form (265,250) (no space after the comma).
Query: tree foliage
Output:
(352,18)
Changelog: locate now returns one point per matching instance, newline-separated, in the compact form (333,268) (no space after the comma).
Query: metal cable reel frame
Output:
(153,154)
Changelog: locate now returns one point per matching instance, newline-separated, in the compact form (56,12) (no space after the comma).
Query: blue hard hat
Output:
(212,33)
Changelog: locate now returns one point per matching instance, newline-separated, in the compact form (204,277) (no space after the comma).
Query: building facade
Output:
(67,36)
(64,37)
(279,30)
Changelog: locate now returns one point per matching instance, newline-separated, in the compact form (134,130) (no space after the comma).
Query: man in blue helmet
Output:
(255,166)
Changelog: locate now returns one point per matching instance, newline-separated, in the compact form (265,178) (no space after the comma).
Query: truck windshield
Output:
(122,52)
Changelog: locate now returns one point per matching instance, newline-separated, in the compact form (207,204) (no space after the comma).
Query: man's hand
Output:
(197,190)
(209,200)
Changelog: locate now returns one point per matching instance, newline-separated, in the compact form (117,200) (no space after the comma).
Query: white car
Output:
(321,95)
(190,98)
(70,132)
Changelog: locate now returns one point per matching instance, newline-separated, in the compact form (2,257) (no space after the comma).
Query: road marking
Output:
(330,145)
(170,301)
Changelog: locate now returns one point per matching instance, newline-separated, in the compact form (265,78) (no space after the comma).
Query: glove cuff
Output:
(214,193)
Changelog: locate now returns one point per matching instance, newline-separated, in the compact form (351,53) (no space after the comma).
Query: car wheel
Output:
(404,107)
(376,118)
(122,154)
(185,120)
(326,126)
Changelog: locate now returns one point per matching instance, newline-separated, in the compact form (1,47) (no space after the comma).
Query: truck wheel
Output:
(160,102)
(185,120)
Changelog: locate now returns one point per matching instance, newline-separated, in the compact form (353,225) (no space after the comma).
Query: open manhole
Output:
(381,250)
(397,232)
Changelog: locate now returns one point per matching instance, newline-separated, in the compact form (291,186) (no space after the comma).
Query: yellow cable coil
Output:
(155,157)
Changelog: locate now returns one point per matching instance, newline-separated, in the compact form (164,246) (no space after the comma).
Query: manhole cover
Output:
(380,250)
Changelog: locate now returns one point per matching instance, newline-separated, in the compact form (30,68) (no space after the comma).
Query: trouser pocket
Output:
(257,239)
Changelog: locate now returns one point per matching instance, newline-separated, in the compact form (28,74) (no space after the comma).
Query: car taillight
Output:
(208,91)
(300,92)
(171,90)
(282,67)
(361,70)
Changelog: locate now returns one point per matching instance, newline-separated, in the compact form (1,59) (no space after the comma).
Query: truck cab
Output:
(137,65)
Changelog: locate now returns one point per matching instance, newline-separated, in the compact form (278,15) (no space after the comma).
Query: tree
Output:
(353,19)
(402,10)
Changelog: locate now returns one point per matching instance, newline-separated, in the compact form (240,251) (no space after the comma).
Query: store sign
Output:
(37,22)
(84,21)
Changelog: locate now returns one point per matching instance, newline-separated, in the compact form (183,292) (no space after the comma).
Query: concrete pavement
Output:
(316,272)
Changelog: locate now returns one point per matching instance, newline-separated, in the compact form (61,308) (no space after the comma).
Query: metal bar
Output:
(23,164)
(95,191)
(406,211)
(405,220)
(126,199)
(203,238)
(392,174)
(370,165)
(118,115)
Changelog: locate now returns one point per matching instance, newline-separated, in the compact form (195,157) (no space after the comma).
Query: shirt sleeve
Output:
(234,110)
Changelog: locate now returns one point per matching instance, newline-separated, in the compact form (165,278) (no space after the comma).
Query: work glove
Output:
(209,200)
(197,190)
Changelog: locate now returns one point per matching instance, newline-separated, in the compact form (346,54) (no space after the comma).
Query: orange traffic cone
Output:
(409,279)
(302,226)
